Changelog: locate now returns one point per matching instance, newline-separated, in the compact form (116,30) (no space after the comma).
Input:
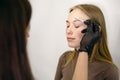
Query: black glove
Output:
(92,36)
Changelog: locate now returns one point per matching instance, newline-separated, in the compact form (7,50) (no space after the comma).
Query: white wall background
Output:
(47,35)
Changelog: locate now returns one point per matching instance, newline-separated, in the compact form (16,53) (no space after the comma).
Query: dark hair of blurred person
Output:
(14,21)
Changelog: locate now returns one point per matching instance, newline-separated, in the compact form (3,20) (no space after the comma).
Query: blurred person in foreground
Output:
(15,17)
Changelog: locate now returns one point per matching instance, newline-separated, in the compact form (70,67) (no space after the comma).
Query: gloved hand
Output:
(92,36)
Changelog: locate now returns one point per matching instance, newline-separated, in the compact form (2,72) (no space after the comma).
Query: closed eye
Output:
(77,23)
(77,26)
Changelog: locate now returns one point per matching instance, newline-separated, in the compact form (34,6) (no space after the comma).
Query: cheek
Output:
(79,35)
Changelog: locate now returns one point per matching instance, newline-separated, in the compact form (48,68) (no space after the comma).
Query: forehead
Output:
(77,14)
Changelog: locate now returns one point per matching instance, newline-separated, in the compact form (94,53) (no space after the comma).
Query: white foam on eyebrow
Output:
(79,19)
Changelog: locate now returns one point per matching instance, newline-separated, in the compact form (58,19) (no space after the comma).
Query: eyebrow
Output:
(81,20)
(75,19)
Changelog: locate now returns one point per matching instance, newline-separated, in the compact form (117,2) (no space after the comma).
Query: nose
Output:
(69,31)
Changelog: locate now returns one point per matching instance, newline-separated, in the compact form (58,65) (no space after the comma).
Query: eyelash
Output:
(74,26)
(77,26)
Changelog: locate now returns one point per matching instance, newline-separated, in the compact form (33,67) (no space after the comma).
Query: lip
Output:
(70,38)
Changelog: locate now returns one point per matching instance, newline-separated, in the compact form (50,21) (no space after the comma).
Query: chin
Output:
(73,46)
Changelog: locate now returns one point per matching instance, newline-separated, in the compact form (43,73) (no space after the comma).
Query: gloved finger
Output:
(96,28)
(89,24)
(92,27)
(84,30)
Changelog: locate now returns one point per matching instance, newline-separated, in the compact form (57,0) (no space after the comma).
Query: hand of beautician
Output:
(92,36)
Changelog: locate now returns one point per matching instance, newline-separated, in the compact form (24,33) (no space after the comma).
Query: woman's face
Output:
(74,26)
